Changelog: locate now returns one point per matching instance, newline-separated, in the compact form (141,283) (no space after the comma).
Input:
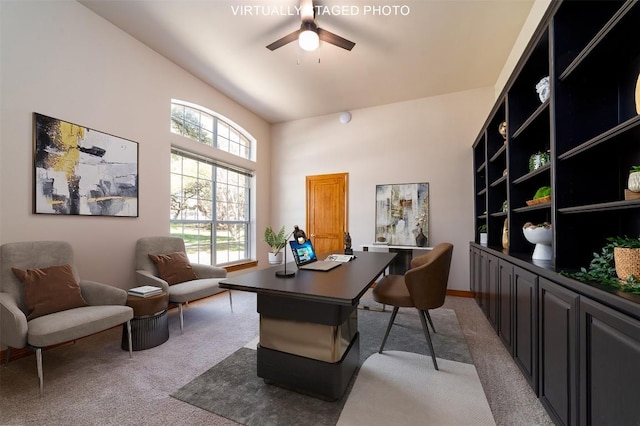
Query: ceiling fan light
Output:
(309,40)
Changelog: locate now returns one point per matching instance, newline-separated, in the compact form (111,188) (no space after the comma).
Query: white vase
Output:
(483,238)
(634,182)
(275,258)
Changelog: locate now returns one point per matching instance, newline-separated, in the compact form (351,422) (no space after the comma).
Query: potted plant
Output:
(276,241)
(626,257)
(614,265)
(482,229)
(633,184)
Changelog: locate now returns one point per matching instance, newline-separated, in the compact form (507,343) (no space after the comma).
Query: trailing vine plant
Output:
(602,267)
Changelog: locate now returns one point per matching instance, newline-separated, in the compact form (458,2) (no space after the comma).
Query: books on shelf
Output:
(145,291)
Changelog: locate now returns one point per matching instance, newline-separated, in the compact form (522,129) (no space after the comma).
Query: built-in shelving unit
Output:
(589,126)
(577,344)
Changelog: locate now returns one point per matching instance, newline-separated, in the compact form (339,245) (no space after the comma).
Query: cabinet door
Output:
(610,377)
(505,304)
(483,281)
(558,312)
(525,347)
(493,279)
(474,272)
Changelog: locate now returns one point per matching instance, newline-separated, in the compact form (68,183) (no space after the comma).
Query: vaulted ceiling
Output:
(404,49)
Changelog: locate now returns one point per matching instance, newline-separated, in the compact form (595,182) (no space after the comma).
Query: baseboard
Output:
(459,293)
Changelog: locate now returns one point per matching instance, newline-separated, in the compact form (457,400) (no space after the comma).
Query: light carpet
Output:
(404,388)
(232,389)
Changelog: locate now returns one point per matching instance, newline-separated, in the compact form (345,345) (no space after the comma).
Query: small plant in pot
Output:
(614,265)
(276,241)
(482,229)
(626,257)
(633,184)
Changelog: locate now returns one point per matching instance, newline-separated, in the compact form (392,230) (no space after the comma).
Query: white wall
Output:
(62,60)
(426,140)
(536,14)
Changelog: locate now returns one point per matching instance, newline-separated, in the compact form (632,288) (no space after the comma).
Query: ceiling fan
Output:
(309,35)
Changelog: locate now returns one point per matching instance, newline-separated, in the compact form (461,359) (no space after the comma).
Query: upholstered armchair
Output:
(162,262)
(43,302)
(422,287)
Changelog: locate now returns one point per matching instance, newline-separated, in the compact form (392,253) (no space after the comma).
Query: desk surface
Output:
(395,247)
(343,285)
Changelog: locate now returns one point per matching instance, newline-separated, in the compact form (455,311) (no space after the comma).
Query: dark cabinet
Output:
(558,316)
(505,303)
(493,279)
(525,346)
(609,355)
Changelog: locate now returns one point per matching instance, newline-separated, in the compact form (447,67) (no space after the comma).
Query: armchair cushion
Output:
(174,268)
(49,290)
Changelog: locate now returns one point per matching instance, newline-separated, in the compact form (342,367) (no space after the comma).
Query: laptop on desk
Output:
(305,257)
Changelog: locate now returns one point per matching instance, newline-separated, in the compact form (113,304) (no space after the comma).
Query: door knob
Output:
(313,235)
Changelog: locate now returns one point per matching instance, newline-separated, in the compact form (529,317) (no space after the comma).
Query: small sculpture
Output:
(347,244)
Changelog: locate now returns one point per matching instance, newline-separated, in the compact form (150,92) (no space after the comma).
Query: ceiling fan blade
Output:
(284,40)
(335,39)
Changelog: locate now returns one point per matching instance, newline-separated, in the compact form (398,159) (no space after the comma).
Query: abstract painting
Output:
(80,171)
(402,212)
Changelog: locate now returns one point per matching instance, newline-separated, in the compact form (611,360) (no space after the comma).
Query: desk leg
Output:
(402,262)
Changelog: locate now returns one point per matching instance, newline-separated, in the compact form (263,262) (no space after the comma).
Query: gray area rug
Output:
(233,390)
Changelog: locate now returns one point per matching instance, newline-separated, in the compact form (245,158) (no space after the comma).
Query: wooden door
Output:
(327,211)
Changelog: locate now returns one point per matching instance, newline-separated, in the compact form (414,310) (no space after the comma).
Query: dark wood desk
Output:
(309,339)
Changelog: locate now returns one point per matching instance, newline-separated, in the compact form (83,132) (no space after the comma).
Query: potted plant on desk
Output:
(276,241)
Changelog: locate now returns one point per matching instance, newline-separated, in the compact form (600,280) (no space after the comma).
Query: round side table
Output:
(149,326)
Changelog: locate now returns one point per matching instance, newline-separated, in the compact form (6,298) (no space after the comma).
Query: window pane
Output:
(206,122)
(194,213)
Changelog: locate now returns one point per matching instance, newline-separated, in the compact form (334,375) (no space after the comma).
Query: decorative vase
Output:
(634,182)
(275,258)
(483,238)
(505,234)
(421,239)
(627,262)
(542,237)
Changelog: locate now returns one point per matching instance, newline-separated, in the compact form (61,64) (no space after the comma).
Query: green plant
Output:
(538,160)
(602,267)
(482,229)
(275,241)
(542,192)
(634,169)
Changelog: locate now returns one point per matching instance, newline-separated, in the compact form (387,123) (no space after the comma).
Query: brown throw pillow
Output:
(49,290)
(174,268)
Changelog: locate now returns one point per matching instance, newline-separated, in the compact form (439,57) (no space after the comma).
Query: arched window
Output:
(210,199)
(209,128)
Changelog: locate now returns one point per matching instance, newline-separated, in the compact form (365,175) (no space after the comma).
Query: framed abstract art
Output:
(402,214)
(81,171)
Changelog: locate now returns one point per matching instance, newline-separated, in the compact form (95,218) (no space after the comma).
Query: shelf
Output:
(539,170)
(497,155)
(482,191)
(531,119)
(499,181)
(599,37)
(499,214)
(628,125)
(481,168)
(542,206)
(612,205)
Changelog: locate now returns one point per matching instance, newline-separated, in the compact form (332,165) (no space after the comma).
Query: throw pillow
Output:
(174,268)
(49,290)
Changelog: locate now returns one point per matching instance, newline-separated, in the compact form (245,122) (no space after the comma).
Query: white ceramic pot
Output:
(483,238)
(634,182)
(275,258)
(542,238)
